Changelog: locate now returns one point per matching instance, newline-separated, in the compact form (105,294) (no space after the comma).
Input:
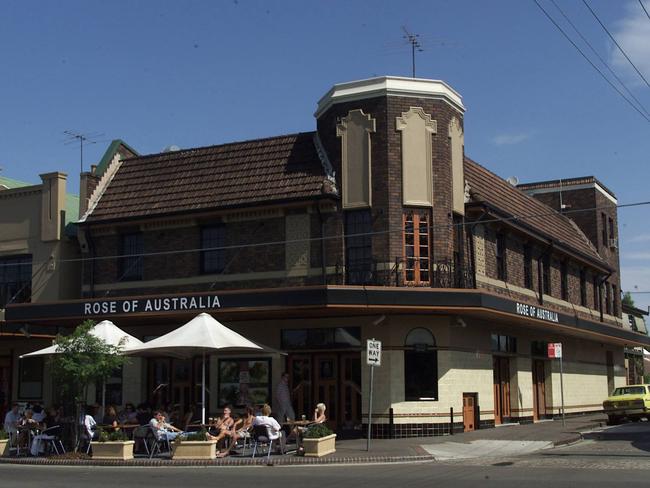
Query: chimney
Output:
(52,206)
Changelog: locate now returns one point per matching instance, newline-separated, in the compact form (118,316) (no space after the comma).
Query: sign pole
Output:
(372,377)
(562,390)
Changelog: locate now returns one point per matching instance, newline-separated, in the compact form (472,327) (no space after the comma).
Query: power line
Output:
(644,9)
(600,57)
(590,62)
(431,227)
(617,44)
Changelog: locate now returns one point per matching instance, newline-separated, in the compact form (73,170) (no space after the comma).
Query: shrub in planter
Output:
(4,443)
(112,445)
(194,446)
(319,440)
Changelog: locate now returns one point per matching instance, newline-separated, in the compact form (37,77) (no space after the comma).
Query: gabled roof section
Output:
(237,174)
(116,146)
(493,190)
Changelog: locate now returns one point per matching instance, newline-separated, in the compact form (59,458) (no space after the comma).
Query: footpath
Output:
(499,441)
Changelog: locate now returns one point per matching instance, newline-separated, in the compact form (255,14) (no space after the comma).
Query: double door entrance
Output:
(501,388)
(330,378)
(539,389)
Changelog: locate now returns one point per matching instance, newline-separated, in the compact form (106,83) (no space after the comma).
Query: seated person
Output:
(318,418)
(110,417)
(162,429)
(223,427)
(50,419)
(128,416)
(240,429)
(272,426)
(89,424)
(143,414)
(39,412)
(26,425)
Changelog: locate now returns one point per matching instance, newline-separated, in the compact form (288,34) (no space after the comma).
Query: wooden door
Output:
(326,375)
(501,376)
(181,385)
(350,391)
(299,369)
(5,385)
(469,411)
(539,389)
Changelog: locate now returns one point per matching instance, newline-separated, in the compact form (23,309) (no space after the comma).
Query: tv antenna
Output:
(413,40)
(89,138)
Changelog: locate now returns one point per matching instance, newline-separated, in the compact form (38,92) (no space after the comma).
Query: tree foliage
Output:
(627,299)
(83,359)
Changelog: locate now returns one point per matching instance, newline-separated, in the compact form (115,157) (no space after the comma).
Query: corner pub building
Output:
(375,225)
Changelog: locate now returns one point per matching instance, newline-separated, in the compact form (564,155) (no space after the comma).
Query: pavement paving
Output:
(494,442)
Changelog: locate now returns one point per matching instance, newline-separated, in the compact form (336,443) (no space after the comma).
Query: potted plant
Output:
(113,445)
(4,443)
(319,440)
(194,446)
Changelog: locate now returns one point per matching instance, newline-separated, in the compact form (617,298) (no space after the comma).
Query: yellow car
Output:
(632,401)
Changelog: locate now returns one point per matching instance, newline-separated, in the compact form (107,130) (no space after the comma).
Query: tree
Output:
(627,299)
(81,360)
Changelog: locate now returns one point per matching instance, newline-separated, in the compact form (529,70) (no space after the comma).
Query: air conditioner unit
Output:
(613,243)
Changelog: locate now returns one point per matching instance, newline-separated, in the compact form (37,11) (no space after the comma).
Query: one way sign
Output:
(373,353)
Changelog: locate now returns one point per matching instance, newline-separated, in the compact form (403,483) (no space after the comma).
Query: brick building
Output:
(375,225)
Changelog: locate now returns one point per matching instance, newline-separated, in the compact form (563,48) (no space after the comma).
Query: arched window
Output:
(420,366)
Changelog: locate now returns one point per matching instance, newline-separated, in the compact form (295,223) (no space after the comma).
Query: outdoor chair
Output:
(14,442)
(158,443)
(143,437)
(51,437)
(262,437)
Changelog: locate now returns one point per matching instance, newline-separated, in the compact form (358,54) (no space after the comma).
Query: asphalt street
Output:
(618,456)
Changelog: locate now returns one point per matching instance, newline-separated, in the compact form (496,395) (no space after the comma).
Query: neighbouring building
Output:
(374,225)
(39,263)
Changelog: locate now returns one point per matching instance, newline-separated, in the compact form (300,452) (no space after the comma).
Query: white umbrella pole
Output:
(203,391)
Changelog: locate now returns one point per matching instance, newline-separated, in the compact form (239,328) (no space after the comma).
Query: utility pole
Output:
(74,136)
(413,40)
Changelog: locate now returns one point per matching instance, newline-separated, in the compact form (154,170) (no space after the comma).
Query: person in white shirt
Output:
(90,425)
(272,426)
(162,429)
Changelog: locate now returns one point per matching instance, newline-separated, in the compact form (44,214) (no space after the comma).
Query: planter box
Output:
(113,450)
(194,450)
(4,448)
(319,447)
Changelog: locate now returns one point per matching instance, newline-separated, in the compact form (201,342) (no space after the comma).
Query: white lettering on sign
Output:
(163,304)
(536,312)
(373,352)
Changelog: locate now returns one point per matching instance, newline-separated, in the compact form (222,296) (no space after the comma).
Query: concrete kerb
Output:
(261,461)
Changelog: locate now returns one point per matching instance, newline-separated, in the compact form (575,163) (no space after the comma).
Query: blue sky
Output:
(195,73)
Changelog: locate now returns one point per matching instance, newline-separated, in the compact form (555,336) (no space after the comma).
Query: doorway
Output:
(539,389)
(501,380)
(470,403)
(331,378)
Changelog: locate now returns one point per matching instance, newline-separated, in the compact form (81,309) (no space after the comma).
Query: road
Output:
(612,457)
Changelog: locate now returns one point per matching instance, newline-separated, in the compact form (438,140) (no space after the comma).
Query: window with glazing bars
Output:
(564,280)
(608,299)
(596,293)
(358,247)
(528,267)
(212,252)
(502,268)
(131,264)
(546,274)
(417,249)
(583,288)
(15,280)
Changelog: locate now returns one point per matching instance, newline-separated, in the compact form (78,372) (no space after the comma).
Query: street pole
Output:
(562,391)
(372,375)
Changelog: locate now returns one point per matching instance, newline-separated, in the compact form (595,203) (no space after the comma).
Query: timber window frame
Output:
(416,246)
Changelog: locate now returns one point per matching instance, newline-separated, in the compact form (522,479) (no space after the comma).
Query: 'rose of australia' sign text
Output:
(536,312)
(162,304)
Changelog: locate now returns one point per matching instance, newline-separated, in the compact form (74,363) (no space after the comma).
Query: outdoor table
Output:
(297,423)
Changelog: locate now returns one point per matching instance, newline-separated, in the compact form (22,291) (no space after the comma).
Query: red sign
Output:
(555,350)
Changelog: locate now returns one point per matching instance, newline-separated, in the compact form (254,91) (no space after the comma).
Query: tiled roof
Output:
(487,187)
(229,175)
(582,180)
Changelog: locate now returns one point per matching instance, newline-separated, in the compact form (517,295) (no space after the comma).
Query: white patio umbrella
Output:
(108,332)
(203,334)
